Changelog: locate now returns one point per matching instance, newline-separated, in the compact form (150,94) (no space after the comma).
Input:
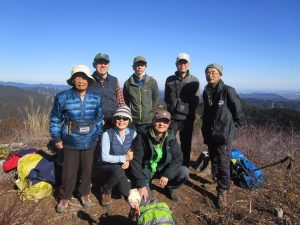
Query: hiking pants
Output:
(115,176)
(185,128)
(220,165)
(77,163)
(173,183)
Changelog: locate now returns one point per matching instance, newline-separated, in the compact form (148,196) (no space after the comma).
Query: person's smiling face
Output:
(213,76)
(80,83)
(121,122)
(161,125)
(139,67)
(101,67)
(183,66)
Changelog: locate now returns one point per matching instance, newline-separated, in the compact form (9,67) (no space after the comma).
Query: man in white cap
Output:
(182,96)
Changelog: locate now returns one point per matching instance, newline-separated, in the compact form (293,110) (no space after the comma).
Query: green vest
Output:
(158,151)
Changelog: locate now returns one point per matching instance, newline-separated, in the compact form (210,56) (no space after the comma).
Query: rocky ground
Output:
(198,202)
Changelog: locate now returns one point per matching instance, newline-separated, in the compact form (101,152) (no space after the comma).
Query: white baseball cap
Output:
(183,56)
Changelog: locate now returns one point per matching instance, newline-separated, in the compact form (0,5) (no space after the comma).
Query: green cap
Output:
(139,59)
(101,56)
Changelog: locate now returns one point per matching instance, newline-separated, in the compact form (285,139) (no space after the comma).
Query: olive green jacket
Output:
(142,100)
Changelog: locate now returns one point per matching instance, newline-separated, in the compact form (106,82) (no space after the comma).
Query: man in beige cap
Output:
(156,154)
(141,94)
(182,96)
(108,87)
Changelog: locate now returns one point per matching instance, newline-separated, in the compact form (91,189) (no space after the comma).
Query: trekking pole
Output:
(278,162)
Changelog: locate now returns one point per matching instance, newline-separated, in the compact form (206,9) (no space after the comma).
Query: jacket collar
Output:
(127,131)
(98,78)
(132,81)
(179,77)
(218,88)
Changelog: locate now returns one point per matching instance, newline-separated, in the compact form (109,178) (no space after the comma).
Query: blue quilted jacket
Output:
(69,107)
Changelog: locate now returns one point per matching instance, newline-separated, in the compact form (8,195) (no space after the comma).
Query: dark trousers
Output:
(220,165)
(115,176)
(76,164)
(174,182)
(185,128)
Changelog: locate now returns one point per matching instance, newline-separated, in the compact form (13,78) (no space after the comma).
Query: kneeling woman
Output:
(115,156)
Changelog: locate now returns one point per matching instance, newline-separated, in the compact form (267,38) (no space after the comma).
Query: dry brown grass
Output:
(35,120)
(33,127)
(263,145)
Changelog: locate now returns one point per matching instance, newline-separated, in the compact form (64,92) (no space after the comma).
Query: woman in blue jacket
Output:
(75,126)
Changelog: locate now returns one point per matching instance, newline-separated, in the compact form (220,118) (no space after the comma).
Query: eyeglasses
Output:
(121,118)
(211,73)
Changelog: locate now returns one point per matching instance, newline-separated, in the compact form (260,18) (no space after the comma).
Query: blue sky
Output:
(256,41)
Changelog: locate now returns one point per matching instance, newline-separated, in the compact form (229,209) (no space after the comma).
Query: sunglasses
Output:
(121,118)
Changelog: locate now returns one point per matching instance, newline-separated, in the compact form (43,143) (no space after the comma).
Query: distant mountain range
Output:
(272,100)
(45,89)
(15,96)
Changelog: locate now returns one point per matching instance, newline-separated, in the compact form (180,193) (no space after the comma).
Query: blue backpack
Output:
(244,172)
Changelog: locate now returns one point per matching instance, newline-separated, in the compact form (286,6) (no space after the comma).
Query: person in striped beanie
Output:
(115,154)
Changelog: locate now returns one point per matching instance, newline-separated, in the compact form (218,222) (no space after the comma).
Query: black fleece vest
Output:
(108,93)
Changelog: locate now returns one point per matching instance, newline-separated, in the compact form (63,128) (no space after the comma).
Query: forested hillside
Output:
(13,101)
(286,119)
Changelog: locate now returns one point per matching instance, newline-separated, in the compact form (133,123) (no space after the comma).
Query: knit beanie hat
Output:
(123,111)
(216,66)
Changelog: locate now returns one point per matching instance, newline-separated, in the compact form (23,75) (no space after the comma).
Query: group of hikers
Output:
(130,139)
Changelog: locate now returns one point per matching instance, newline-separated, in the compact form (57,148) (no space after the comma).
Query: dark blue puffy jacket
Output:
(67,107)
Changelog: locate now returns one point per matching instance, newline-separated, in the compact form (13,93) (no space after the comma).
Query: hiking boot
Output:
(173,196)
(62,206)
(86,201)
(222,200)
(106,201)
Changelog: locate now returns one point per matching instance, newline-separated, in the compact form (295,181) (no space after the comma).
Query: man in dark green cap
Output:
(108,87)
(141,94)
